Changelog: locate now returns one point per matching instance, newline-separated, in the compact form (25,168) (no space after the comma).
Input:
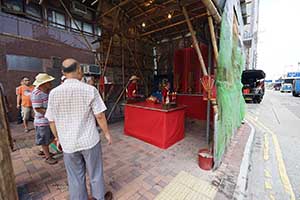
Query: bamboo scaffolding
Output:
(115,7)
(110,42)
(138,67)
(196,9)
(117,101)
(195,42)
(171,25)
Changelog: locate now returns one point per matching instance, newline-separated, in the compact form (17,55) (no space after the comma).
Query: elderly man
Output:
(39,99)
(72,109)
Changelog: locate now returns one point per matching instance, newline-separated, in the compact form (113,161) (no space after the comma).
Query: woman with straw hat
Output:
(132,87)
(39,98)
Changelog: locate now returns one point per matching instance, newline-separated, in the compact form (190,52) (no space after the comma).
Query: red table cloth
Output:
(153,124)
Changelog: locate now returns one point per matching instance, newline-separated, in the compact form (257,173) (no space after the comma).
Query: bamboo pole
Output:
(123,61)
(213,10)
(110,43)
(213,36)
(171,25)
(195,42)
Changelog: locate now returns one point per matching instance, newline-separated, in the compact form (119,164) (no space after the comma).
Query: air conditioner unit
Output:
(91,69)
(78,8)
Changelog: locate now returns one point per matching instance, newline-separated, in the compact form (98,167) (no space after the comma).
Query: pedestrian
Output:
(62,79)
(24,102)
(39,98)
(90,80)
(72,109)
(132,87)
(19,116)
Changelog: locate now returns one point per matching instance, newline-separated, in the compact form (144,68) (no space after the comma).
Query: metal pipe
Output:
(208,102)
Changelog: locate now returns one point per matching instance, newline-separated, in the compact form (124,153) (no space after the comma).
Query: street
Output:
(274,167)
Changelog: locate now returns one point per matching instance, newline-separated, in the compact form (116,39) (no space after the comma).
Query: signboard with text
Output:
(293,74)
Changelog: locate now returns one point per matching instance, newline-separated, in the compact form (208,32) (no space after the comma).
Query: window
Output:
(13,5)
(85,27)
(74,27)
(98,31)
(56,19)
(24,63)
(88,28)
(34,11)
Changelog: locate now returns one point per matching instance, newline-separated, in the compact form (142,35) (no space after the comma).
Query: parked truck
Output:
(296,87)
(253,85)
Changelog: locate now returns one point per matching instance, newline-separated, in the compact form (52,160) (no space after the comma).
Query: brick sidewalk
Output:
(133,169)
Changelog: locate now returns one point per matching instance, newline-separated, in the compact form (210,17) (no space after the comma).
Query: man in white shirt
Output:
(72,109)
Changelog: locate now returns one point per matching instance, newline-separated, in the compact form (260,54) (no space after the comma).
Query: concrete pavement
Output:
(274,171)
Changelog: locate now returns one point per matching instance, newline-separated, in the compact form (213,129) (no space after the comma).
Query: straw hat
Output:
(42,78)
(134,77)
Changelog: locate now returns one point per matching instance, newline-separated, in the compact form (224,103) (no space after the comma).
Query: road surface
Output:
(274,172)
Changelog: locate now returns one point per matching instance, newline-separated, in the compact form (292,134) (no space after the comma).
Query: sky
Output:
(278,37)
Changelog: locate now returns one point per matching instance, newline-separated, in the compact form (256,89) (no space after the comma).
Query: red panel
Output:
(196,107)
(187,69)
(161,129)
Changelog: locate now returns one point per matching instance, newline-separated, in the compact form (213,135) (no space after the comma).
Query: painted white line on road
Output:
(281,166)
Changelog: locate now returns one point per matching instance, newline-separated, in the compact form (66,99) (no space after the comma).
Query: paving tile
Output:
(133,169)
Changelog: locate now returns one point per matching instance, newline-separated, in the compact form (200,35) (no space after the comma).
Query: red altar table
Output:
(153,124)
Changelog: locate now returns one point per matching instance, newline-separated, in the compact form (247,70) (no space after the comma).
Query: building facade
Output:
(250,11)
(37,37)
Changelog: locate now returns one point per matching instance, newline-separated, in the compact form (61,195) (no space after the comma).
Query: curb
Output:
(240,189)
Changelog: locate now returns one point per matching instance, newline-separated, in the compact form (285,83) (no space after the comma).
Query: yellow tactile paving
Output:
(187,187)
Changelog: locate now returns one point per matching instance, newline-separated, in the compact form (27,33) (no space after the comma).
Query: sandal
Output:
(41,153)
(50,161)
